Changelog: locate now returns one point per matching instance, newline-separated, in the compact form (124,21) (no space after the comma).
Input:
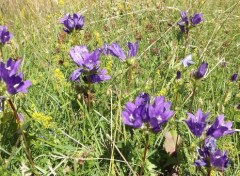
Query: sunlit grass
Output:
(96,142)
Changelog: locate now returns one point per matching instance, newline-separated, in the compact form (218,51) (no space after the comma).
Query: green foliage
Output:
(79,142)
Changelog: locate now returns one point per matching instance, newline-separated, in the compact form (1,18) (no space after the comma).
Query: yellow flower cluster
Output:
(109,64)
(59,76)
(61,2)
(61,82)
(45,120)
(162,92)
(98,38)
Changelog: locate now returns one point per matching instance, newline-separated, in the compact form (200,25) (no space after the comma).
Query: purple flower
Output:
(184,23)
(219,128)
(201,70)
(5,35)
(72,22)
(133,48)
(136,113)
(13,80)
(219,160)
(178,75)
(159,113)
(210,157)
(20,117)
(238,107)
(141,111)
(89,65)
(130,117)
(142,102)
(99,76)
(196,19)
(197,123)
(104,50)
(187,61)
(116,50)
(234,77)
(209,148)
(184,16)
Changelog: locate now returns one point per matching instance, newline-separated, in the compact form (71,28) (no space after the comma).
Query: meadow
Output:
(109,117)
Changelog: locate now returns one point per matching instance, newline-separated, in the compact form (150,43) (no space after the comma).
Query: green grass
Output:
(97,143)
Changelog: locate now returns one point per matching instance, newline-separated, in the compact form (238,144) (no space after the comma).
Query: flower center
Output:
(131,117)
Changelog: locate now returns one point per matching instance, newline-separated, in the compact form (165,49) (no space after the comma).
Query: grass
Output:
(64,138)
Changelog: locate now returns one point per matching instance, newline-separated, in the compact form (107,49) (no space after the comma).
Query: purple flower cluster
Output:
(115,50)
(234,77)
(89,65)
(5,35)
(210,157)
(141,111)
(13,80)
(184,23)
(197,125)
(72,23)
(201,70)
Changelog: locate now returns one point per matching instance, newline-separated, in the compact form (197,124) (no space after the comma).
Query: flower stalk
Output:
(209,171)
(129,79)
(193,95)
(145,151)
(89,96)
(1,51)
(22,133)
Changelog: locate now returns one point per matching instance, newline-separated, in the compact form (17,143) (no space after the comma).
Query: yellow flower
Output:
(98,38)
(59,76)
(109,65)
(60,80)
(61,2)
(45,120)
(162,92)
(158,73)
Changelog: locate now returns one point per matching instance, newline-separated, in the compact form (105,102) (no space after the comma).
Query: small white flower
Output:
(187,61)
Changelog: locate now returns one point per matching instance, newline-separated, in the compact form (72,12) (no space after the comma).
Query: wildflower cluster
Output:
(10,76)
(209,156)
(45,120)
(185,22)
(197,125)
(142,111)
(71,23)
(89,65)
(5,35)
(146,112)
(115,50)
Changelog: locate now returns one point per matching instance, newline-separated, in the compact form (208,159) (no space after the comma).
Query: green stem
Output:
(129,77)
(89,96)
(209,171)
(175,104)
(1,52)
(145,152)
(193,95)
(22,133)
(186,42)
